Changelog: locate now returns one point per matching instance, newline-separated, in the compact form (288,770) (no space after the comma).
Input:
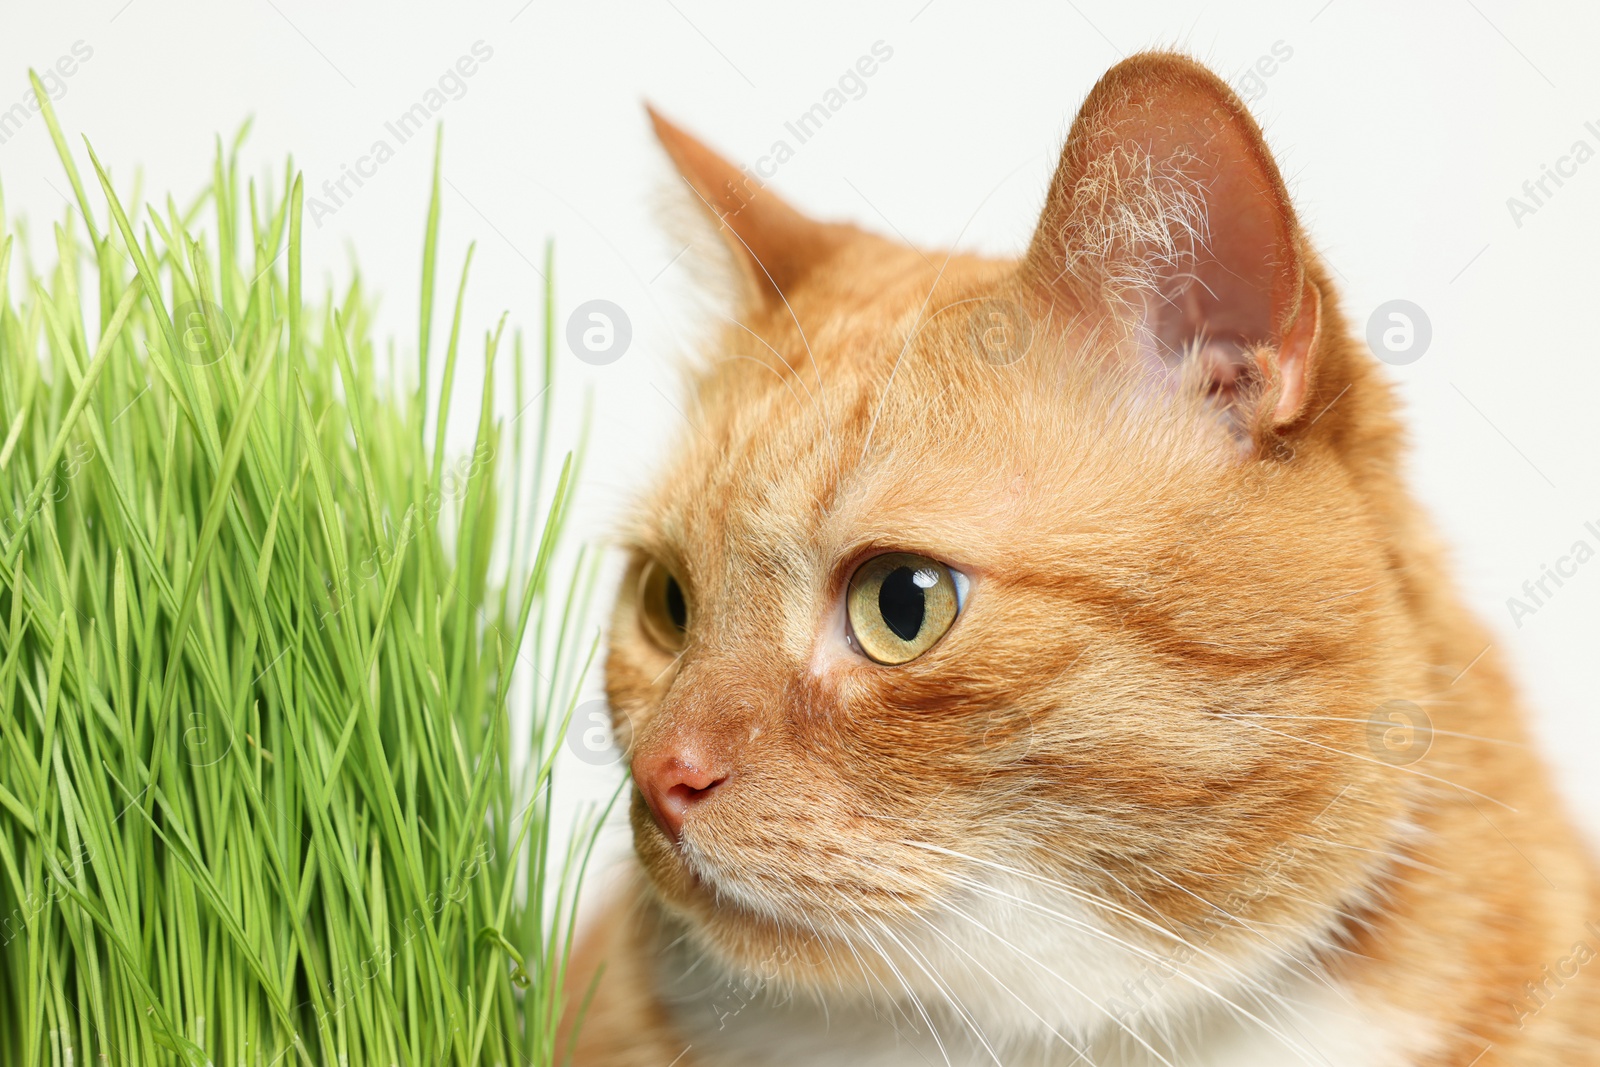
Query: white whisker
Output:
(1370,759)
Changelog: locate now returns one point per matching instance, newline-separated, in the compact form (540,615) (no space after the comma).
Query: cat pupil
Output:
(902,602)
(677,607)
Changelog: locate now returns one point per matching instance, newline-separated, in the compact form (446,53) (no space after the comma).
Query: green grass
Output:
(260,644)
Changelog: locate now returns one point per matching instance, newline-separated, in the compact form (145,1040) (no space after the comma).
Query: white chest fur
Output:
(732,1030)
(1036,986)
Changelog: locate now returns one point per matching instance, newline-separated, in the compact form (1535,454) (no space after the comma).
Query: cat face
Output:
(978,592)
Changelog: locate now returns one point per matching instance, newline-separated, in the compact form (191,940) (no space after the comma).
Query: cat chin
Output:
(749,926)
(755,935)
(750,947)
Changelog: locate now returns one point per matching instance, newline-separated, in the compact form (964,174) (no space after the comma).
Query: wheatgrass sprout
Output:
(259,634)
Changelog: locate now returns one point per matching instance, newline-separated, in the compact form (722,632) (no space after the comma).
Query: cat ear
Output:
(1167,198)
(773,244)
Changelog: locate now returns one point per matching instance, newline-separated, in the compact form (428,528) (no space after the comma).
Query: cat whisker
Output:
(1152,958)
(1251,986)
(933,927)
(1358,721)
(1148,955)
(962,1012)
(1370,759)
(1101,871)
(1082,1054)
(1392,856)
(1051,883)
(874,982)
(1255,928)
(911,993)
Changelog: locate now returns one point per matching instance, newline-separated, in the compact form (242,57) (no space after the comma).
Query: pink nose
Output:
(672,783)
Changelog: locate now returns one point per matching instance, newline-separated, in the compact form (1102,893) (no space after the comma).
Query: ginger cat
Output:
(1043,662)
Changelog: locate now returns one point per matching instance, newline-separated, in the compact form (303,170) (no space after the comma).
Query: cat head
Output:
(980,596)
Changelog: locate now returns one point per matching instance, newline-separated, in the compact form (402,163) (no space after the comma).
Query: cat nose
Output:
(672,782)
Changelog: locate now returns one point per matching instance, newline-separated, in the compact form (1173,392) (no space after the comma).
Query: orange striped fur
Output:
(1148,800)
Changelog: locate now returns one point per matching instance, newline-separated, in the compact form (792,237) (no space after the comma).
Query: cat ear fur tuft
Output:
(1167,200)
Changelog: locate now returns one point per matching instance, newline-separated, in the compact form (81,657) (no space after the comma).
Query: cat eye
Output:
(899,604)
(663,607)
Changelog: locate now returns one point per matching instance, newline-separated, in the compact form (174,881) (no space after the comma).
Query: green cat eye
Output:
(899,605)
(663,607)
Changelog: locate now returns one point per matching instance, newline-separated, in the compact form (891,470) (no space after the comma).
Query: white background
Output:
(1403,129)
